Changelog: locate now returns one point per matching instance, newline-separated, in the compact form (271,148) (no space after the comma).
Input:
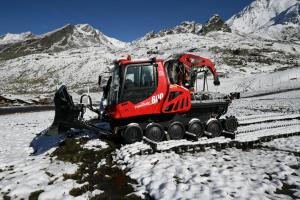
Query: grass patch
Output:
(107,178)
(177,180)
(10,168)
(35,195)
(81,190)
(6,197)
(288,190)
(52,181)
(49,174)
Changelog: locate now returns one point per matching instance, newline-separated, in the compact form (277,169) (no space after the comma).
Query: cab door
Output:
(140,81)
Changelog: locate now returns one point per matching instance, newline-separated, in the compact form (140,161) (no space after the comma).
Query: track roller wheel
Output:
(155,132)
(132,133)
(195,126)
(230,124)
(214,127)
(176,130)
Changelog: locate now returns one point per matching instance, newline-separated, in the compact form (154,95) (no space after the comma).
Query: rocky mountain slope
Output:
(184,27)
(215,23)
(75,54)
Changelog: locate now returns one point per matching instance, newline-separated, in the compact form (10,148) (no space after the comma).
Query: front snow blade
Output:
(66,112)
(69,115)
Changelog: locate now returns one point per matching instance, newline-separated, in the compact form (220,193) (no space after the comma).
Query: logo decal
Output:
(156,98)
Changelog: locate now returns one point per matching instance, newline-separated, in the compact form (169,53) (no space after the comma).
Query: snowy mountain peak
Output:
(64,38)
(80,35)
(87,29)
(214,18)
(258,14)
(10,37)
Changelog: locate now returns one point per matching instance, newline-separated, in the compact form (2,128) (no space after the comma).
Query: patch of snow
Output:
(95,144)
(229,174)
(97,192)
(285,144)
(23,172)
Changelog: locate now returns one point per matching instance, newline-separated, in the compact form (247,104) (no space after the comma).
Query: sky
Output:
(124,20)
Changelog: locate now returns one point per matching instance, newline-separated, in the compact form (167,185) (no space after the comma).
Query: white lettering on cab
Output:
(156,98)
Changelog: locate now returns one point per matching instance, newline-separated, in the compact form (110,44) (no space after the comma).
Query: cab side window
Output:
(147,77)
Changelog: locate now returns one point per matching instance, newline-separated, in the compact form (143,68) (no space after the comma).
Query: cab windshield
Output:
(114,87)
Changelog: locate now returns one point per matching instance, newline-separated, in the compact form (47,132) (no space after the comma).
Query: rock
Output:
(215,23)
(183,27)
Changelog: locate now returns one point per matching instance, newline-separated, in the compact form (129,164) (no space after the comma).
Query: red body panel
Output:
(179,103)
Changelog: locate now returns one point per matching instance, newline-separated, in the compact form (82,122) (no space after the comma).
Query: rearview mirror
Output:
(216,81)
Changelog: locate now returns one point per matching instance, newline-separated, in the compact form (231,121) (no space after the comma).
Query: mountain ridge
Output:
(260,14)
(61,39)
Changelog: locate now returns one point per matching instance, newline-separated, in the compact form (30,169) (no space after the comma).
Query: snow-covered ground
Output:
(25,163)
(267,172)
(228,174)
(287,102)
(21,172)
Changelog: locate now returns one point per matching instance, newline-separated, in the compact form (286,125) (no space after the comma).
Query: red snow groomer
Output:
(154,99)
